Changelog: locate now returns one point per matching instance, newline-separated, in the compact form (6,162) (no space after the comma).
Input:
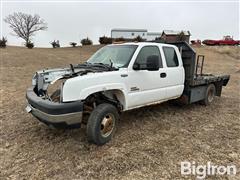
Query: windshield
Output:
(117,55)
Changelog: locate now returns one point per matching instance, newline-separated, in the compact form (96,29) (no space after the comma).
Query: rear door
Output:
(175,72)
(146,87)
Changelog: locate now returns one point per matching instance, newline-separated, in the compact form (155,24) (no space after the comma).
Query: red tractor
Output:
(227,40)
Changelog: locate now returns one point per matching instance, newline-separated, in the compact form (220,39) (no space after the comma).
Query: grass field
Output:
(150,142)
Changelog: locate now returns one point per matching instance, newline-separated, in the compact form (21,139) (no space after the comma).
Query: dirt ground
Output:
(150,142)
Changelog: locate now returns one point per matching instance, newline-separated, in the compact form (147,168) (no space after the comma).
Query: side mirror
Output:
(153,63)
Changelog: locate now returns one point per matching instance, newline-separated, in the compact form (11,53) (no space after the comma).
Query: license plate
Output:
(28,109)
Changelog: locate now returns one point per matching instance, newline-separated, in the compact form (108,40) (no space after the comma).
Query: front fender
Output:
(120,90)
(79,88)
(103,87)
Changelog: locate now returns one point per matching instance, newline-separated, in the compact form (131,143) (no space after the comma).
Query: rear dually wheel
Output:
(210,95)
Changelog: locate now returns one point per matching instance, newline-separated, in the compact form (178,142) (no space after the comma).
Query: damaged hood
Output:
(43,78)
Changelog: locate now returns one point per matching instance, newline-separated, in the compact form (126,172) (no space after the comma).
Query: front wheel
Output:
(102,123)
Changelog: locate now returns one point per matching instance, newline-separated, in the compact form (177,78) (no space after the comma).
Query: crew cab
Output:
(117,78)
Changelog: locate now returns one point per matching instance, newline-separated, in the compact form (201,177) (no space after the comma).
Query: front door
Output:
(146,87)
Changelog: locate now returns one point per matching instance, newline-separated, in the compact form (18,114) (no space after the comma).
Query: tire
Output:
(102,123)
(210,95)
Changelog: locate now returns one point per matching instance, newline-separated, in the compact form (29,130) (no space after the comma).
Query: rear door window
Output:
(170,56)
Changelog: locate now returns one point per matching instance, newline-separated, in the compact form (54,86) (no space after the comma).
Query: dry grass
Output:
(149,144)
(226,50)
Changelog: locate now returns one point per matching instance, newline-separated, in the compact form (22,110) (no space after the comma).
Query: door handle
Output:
(163,75)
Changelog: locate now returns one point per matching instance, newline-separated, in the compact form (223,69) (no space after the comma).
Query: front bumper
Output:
(55,114)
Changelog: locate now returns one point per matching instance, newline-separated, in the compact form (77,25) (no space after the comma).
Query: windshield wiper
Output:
(87,65)
(110,67)
(83,65)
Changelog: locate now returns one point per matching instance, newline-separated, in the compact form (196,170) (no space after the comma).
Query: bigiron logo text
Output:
(209,169)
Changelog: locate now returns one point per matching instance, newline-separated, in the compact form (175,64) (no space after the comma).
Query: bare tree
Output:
(181,36)
(25,25)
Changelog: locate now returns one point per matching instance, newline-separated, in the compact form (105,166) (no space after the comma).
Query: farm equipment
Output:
(227,40)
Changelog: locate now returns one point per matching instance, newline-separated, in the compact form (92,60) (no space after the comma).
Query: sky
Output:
(70,21)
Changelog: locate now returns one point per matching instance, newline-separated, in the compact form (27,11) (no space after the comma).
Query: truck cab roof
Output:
(141,44)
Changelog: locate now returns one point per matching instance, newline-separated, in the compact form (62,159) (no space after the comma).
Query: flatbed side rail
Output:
(197,92)
(209,78)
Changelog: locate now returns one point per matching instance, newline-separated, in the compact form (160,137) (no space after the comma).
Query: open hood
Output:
(43,78)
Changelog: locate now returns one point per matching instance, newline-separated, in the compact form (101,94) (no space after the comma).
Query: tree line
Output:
(25,26)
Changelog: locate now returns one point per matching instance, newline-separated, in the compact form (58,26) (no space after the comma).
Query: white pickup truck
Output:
(117,78)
